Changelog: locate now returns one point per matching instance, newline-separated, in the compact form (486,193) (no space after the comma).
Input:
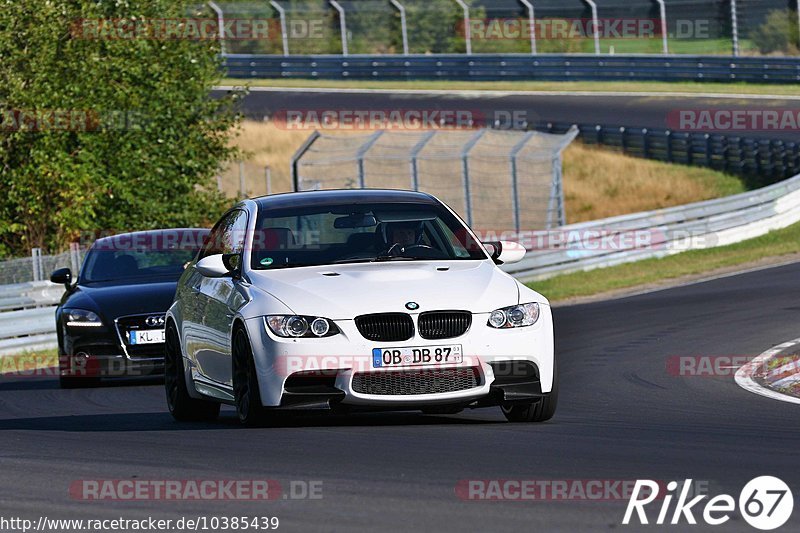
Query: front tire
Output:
(246,392)
(539,411)
(182,407)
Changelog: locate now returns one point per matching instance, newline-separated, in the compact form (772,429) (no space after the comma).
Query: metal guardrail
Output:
(27,316)
(694,226)
(487,67)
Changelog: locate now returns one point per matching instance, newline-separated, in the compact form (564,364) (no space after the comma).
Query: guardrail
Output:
(488,67)
(27,316)
(618,240)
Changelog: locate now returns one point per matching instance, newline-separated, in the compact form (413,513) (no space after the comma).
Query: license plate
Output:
(425,355)
(147,336)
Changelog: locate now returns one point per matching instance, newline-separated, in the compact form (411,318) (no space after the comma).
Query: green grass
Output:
(28,361)
(774,244)
(533,86)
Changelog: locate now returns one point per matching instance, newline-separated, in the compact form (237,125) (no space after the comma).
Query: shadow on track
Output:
(162,421)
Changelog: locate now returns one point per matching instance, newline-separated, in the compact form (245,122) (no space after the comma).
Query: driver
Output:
(402,234)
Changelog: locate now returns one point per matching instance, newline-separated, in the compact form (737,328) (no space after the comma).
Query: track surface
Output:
(621,416)
(630,111)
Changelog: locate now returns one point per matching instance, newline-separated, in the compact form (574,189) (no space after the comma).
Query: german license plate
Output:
(147,336)
(416,356)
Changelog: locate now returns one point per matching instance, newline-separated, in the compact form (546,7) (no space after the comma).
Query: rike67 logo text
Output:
(765,503)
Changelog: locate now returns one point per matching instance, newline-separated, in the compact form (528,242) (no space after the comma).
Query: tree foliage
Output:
(142,139)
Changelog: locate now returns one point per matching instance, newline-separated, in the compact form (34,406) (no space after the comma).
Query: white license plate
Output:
(416,356)
(147,336)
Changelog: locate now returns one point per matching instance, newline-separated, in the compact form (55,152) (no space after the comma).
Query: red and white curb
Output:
(783,376)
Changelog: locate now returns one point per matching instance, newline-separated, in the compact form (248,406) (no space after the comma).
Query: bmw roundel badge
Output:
(412,306)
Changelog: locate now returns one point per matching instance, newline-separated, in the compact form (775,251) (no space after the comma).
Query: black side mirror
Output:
(62,276)
(495,248)
(233,262)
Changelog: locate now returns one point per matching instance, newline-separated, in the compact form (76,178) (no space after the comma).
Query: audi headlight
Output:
(293,326)
(517,316)
(81,318)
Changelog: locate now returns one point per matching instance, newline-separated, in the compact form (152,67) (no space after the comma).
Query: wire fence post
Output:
(403,24)
(342,25)
(36,263)
(75,258)
(514,181)
(596,26)
(662,8)
(557,213)
(467,26)
(268,172)
(294,163)
(532,21)
(735,28)
(415,158)
(284,32)
(362,153)
(465,172)
(220,25)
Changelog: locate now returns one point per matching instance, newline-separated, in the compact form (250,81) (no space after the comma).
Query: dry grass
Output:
(598,183)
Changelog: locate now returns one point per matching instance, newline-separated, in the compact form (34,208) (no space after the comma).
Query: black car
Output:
(110,323)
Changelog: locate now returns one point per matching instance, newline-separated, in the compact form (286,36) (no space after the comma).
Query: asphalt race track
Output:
(622,416)
(622,110)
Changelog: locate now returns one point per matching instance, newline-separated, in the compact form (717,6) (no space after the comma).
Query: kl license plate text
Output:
(148,336)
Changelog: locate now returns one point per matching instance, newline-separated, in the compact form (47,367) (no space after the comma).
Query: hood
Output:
(342,292)
(113,301)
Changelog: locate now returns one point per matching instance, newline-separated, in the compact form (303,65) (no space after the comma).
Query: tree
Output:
(102,129)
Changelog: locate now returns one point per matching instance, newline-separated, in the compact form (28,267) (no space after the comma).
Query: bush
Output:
(778,34)
(143,138)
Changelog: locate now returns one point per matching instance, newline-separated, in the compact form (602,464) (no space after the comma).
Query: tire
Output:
(539,411)
(246,392)
(182,407)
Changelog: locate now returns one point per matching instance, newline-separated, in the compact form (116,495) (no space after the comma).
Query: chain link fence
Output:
(699,27)
(38,267)
(494,179)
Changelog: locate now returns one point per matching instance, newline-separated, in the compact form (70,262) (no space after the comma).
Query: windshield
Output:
(324,235)
(141,263)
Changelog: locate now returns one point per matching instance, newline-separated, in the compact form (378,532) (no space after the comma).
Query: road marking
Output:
(744,375)
(498,93)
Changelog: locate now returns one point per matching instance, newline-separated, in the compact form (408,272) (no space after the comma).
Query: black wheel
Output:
(182,407)
(540,411)
(245,382)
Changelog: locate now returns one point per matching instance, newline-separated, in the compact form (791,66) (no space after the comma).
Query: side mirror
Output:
(62,276)
(213,266)
(505,252)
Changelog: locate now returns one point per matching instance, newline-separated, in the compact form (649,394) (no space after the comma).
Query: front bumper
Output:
(513,365)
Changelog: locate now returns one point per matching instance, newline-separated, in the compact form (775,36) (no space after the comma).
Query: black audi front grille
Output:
(444,324)
(409,383)
(386,327)
(127,324)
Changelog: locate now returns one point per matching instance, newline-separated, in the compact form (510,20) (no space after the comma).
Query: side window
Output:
(228,235)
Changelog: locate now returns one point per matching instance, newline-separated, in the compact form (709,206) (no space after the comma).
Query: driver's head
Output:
(402,234)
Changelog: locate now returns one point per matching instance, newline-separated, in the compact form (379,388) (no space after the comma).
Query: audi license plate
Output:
(147,336)
(427,355)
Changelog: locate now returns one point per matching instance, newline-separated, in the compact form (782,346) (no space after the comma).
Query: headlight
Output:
(516,316)
(292,326)
(80,318)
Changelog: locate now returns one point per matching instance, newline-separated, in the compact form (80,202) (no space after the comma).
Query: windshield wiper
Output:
(387,258)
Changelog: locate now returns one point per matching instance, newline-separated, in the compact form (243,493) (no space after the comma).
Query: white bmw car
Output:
(355,300)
